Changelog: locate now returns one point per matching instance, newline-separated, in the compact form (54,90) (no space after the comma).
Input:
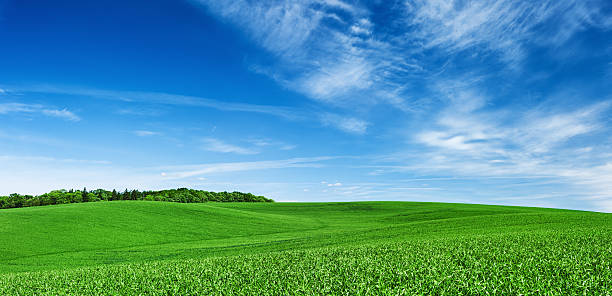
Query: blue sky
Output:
(497,102)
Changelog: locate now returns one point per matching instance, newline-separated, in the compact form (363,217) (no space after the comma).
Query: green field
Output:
(392,248)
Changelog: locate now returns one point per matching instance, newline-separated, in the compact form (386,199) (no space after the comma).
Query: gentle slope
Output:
(310,247)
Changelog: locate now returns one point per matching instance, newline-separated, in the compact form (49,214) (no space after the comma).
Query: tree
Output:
(182,195)
(84,198)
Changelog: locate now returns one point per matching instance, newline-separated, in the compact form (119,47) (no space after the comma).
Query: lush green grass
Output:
(124,247)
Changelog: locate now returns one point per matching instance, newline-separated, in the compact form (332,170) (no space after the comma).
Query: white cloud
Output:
(64,113)
(145,133)
(539,142)
(349,62)
(164,98)
(363,27)
(180,172)
(280,26)
(18,107)
(336,80)
(6,108)
(448,140)
(536,132)
(347,124)
(542,132)
(341,64)
(343,5)
(261,142)
(500,26)
(216,145)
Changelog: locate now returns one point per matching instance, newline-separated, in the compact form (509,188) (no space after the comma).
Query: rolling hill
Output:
(135,247)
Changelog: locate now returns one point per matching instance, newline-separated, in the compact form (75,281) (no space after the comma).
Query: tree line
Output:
(182,195)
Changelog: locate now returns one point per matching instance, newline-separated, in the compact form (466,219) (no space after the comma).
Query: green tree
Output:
(84,196)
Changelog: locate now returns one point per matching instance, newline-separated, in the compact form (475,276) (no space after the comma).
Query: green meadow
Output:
(357,248)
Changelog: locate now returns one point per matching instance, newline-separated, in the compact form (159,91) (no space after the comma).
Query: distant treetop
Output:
(182,195)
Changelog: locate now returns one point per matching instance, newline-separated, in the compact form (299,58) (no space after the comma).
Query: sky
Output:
(494,102)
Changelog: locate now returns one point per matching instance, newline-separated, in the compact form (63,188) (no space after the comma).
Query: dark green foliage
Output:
(84,196)
(182,195)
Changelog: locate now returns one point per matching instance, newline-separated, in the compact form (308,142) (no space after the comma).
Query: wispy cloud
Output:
(18,107)
(63,113)
(160,98)
(351,125)
(140,111)
(216,145)
(347,124)
(469,140)
(502,27)
(6,108)
(357,57)
(535,132)
(262,142)
(145,133)
(205,169)
(331,57)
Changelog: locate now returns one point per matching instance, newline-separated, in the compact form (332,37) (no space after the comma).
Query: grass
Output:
(392,248)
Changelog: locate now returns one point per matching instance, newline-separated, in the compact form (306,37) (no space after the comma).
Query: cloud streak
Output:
(539,142)
(342,123)
(6,108)
(216,145)
(160,98)
(345,54)
(179,172)
(329,56)
(501,26)
(348,124)
(145,133)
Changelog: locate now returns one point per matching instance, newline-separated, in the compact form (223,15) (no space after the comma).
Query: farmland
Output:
(160,248)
